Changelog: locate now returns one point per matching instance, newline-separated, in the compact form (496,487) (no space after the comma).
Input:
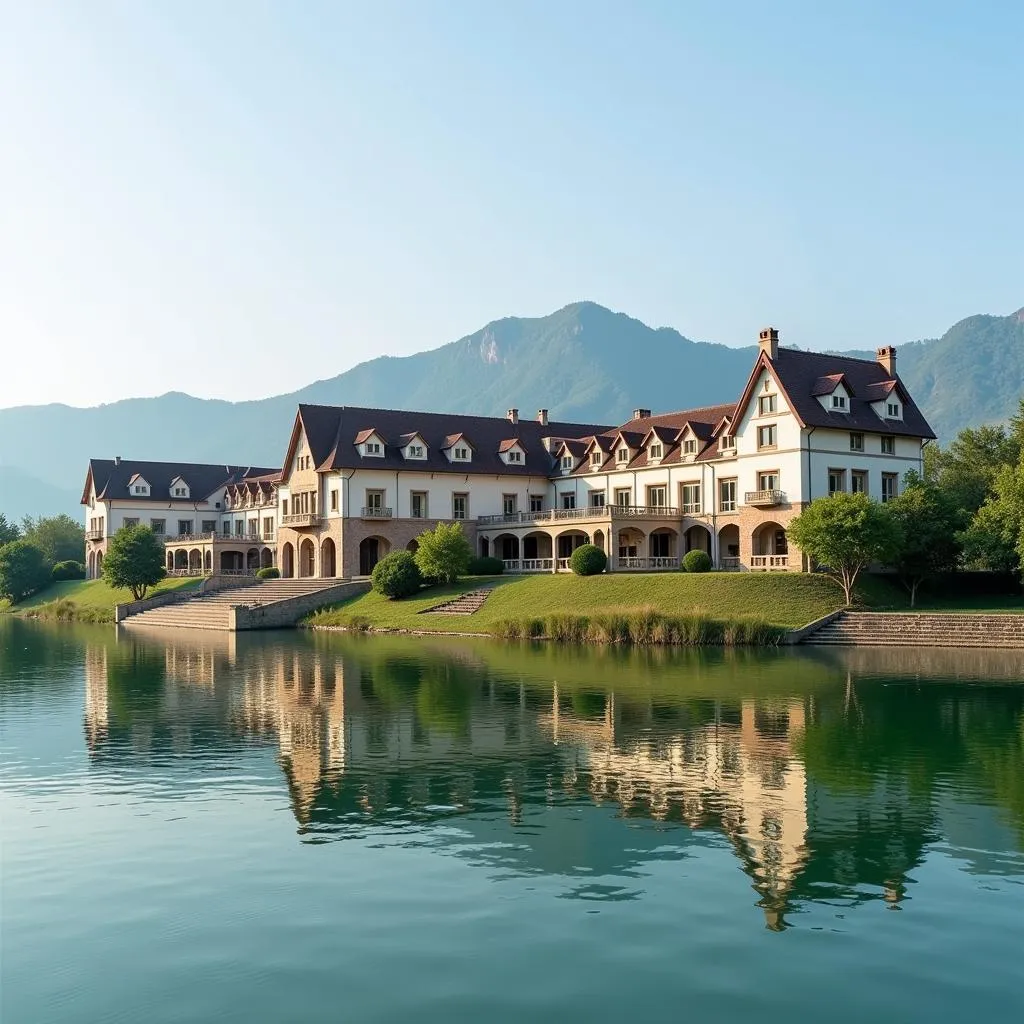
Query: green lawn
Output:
(780,600)
(93,597)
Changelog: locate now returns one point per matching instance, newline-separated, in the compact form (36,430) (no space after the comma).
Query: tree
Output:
(843,534)
(134,559)
(23,570)
(967,469)
(8,531)
(995,538)
(443,553)
(929,523)
(397,575)
(60,538)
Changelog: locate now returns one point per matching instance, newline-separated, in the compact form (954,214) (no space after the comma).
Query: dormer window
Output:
(566,462)
(728,442)
(596,459)
(373,448)
(140,489)
(892,410)
(515,456)
(180,492)
(690,446)
(415,451)
(656,451)
(622,455)
(461,454)
(839,403)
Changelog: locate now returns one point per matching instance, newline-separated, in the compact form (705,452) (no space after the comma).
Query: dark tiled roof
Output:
(798,372)
(111,479)
(331,433)
(827,384)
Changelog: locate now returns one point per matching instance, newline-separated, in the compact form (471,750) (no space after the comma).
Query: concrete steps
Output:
(924,629)
(210,611)
(465,604)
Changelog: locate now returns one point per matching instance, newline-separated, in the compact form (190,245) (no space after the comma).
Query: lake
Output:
(297,826)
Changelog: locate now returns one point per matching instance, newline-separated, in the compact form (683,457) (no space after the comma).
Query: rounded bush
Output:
(396,575)
(485,565)
(697,561)
(268,572)
(69,570)
(588,560)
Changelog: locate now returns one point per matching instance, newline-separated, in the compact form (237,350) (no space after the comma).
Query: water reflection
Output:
(828,775)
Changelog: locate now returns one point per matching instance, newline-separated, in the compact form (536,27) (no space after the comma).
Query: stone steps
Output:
(465,604)
(921,629)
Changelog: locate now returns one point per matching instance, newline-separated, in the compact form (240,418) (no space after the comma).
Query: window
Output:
(415,451)
(373,448)
(768,481)
(766,436)
(460,506)
(890,486)
(567,461)
(888,445)
(657,497)
(268,527)
(690,446)
(254,528)
(859,481)
(375,500)
(240,528)
(536,502)
(128,521)
(727,496)
(892,410)
(690,498)
(659,545)
(334,501)
(418,504)
(158,526)
(622,455)
(839,402)
(728,443)
(856,442)
(596,458)
(181,492)
(209,526)
(623,497)
(836,481)
(596,499)
(656,451)
(284,506)
(768,404)
(568,499)
(462,454)
(509,504)
(515,455)
(184,527)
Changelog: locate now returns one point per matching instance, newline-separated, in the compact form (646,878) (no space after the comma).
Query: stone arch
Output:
(92,564)
(307,558)
(371,551)
(630,542)
(208,560)
(507,547)
(328,560)
(568,541)
(663,543)
(195,560)
(413,546)
(252,559)
(99,564)
(599,539)
(768,540)
(538,544)
(697,538)
(266,558)
(729,546)
(230,561)
(287,560)
(181,559)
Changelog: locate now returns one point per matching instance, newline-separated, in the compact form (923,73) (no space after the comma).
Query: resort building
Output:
(358,483)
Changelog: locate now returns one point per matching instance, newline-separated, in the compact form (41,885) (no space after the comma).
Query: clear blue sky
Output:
(232,198)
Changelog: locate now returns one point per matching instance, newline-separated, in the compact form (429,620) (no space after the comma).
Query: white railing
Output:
(187,538)
(94,535)
(556,515)
(770,497)
(375,512)
(769,561)
(563,565)
(302,519)
(528,564)
(692,509)
(647,562)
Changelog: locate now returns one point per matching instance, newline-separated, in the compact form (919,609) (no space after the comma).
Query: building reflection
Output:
(800,784)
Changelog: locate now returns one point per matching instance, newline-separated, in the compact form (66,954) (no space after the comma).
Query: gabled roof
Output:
(331,432)
(113,478)
(662,433)
(413,435)
(827,384)
(883,389)
(365,435)
(510,443)
(136,477)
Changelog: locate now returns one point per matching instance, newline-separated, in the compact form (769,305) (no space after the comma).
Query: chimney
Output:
(886,357)
(641,414)
(513,415)
(768,342)
(542,417)
(117,460)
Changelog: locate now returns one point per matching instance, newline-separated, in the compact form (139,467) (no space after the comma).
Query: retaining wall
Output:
(287,612)
(208,585)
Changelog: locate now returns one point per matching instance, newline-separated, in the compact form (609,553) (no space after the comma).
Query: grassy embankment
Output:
(669,608)
(85,600)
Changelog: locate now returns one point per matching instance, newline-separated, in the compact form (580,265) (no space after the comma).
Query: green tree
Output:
(8,531)
(60,538)
(134,559)
(967,469)
(843,534)
(23,570)
(443,553)
(995,538)
(929,523)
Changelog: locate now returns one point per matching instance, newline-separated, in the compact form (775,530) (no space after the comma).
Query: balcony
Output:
(601,512)
(529,564)
(769,563)
(301,520)
(764,499)
(654,562)
(94,535)
(374,512)
(187,538)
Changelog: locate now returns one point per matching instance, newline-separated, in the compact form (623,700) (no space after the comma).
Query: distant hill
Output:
(582,362)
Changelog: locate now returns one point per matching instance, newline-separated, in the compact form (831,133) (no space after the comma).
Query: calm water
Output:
(295,827)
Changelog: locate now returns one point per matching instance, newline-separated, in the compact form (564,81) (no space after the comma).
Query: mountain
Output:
(582,362)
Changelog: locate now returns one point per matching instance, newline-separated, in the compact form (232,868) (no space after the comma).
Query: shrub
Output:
(443,553)
(588,560)
(397,575)
(23,570)
(697,561)
(268,572)
(69,570)
(485,565)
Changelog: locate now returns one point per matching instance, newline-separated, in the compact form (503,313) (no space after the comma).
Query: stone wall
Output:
(208,585)
(281,614)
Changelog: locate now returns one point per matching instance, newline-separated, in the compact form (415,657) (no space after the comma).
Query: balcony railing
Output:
(374,512)
(302,519)
(528,564)
(648,562)
(768,562)
(729,563)
(94,535)
(765,498)
(188,538)
(557,515)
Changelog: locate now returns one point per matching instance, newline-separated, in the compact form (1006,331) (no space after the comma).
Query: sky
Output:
(234,199)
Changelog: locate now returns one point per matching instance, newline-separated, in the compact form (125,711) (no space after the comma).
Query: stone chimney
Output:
(117,460)
(768,342)
(886,357)
(513,415)
(542,417)
(641,414)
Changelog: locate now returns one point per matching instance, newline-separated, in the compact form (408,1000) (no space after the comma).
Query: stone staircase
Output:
(210,611)
(465,604)
(923,629)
